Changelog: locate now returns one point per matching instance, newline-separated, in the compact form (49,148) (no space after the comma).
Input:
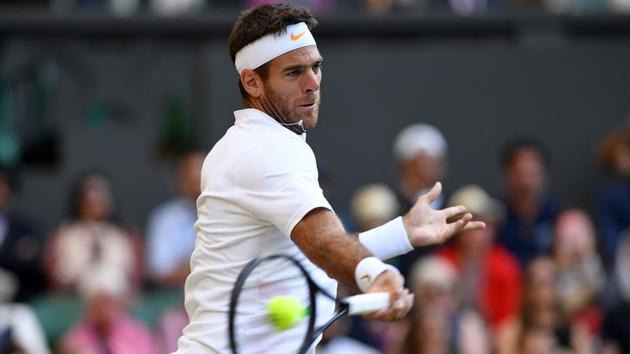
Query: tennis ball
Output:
(285,311)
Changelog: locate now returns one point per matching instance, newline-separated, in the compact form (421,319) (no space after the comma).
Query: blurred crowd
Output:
(374,7)
(93,269)
(541,278)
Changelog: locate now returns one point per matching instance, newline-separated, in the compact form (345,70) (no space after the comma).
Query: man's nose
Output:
(311,81)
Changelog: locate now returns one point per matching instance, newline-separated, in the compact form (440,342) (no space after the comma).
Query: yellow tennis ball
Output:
(285,311)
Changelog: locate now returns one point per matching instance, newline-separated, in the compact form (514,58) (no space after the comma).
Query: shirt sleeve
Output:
(279,184)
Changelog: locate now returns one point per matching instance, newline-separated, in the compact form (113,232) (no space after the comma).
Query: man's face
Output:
(291,89)
(526,173)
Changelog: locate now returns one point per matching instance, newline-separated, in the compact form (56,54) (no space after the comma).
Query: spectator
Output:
(613,202)
(20,331)
(171,238)
(106,326)
(616,329)
(541,309)
(527,230)
(580,272)
(90,237)
(20,245)
(489,275)
(437,323)
(420,153)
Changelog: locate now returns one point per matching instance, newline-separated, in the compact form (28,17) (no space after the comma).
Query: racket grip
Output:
(366,303)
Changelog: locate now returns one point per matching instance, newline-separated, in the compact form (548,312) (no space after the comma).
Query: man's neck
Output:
(295,127)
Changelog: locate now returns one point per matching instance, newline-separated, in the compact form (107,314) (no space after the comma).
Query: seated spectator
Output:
(106,326)
(170,234)
(541,309)
(20,331)
(616,328)
(90,237)
(527,229)
(20,244)
(171,240)
(580,272)
(437,323)
(420,152)
(613,202)
(489,275)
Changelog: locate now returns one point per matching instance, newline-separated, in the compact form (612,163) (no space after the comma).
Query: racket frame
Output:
(311,333)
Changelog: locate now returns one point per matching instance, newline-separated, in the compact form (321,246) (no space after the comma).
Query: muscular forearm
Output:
(322,238)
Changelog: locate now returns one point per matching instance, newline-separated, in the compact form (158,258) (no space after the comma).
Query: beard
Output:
(285,112)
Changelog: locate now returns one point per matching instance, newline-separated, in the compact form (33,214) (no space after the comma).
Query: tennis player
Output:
(260,195)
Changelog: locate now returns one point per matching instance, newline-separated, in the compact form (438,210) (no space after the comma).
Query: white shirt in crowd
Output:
(26,332)
(171,236)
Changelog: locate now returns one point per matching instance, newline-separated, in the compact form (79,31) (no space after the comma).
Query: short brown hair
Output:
(259,21)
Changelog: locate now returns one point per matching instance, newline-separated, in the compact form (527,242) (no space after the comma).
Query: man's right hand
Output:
(401,300)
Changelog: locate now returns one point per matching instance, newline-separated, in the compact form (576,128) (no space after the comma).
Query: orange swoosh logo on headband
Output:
(295,37)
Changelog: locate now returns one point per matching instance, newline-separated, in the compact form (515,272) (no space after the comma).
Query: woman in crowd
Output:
(541,310)
(90,237)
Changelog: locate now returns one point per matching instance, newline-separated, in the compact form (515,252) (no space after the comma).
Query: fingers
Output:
(453,228)
(387,281)
(453,211)
(401,304)
(474,225)
(434,193)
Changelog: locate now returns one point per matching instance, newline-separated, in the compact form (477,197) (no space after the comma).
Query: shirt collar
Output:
(252,114)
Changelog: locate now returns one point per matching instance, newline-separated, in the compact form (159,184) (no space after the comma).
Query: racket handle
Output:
(366,303)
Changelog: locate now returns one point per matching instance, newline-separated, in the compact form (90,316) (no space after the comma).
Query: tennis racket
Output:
(254,328)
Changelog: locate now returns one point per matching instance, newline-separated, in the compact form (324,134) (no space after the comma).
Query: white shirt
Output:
(257,183)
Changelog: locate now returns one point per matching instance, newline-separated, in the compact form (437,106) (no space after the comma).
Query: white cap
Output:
(477,202)
(419,139)
(374,202)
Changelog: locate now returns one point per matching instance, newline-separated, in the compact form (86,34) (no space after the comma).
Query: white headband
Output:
(272,46)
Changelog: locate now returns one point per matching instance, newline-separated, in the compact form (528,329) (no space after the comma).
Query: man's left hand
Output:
(426,226)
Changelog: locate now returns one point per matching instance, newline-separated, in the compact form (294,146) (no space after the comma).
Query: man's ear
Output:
(251,82)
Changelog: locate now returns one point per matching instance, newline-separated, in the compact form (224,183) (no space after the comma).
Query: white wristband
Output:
(388,240)
(368,269)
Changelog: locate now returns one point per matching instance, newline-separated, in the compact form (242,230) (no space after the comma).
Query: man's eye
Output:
(293,73)
(317,68)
